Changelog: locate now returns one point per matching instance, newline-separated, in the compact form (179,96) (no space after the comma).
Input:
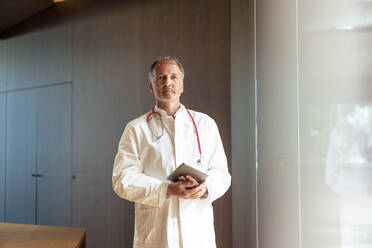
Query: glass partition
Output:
(335,122)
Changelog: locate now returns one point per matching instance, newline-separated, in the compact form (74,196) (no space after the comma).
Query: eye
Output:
(173,77)
(161,77)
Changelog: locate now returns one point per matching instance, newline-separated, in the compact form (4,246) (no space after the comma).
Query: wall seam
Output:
(34,87)
(73,175)
(255,109)
(298,133)
(230,107)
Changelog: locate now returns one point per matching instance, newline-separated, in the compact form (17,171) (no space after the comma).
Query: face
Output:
(168,85)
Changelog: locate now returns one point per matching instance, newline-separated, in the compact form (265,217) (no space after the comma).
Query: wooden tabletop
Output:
(35,236)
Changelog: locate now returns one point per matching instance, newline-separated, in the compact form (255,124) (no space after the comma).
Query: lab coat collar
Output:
(181,111)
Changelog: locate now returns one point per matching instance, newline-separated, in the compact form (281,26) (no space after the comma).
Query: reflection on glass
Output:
(349,175)
(335,71)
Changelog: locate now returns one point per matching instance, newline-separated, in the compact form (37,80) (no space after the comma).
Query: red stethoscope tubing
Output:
(196,131)
(152,113)
(193,122)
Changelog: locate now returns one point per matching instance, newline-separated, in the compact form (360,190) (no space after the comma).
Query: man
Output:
(167,214)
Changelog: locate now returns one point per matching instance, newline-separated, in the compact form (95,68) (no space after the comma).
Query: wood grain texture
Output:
(35,236)
(114,45)
(243,150)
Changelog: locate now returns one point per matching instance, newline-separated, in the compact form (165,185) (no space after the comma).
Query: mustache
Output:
(166,89)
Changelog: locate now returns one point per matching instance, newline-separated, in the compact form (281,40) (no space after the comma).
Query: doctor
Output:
(170,214)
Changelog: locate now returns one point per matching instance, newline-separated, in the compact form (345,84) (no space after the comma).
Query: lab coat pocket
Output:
(150,225)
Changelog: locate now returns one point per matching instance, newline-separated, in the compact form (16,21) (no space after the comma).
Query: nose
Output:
(168,81)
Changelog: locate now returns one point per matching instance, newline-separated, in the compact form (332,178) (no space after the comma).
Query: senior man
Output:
(171,214)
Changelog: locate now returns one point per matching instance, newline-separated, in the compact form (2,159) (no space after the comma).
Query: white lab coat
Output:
(140,173)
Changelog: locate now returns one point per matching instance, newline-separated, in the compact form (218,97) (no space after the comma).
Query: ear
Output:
(150,88)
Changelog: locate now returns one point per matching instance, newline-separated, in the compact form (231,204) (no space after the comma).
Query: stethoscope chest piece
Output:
(200,161)
(201,165)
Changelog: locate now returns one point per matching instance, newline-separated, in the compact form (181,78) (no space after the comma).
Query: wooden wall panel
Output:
(2,127)
(2,156)
(39,142)
(3,65)
(243,124)
(114,44)
(54,155)
(21,157)
(39,51)
(105,63)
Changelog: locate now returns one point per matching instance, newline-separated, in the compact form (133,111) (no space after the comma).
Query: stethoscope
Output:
(155,113)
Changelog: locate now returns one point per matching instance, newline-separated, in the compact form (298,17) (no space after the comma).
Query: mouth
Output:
(168,90)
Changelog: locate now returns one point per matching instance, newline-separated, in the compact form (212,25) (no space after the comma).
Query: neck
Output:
(169,107)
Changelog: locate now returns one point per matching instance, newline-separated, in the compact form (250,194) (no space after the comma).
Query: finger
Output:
(182,178)
(182,186)
(191,179)
(187,184)
(197,185)
(198,194)
(194,190)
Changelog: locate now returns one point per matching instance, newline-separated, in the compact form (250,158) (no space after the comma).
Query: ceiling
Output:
(16,11)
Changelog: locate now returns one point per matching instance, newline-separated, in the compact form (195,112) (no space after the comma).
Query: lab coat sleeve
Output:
(219,179)
(128,181)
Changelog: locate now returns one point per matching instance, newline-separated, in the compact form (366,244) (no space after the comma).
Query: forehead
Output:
(167,67)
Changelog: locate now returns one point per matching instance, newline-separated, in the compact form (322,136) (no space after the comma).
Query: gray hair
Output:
(152,73)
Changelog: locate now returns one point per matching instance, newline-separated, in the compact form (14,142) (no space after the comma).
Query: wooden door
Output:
(38,178)
(21,157)
(54,155)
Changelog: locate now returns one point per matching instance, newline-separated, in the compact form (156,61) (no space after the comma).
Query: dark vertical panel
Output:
(54,155)
(40,54)
(21,159)
(243,140)
(114,44)
(278,191)
(2,157)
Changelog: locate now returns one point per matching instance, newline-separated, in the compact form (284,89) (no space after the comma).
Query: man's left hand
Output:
(201,194)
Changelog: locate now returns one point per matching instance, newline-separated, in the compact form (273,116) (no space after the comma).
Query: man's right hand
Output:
(185,189)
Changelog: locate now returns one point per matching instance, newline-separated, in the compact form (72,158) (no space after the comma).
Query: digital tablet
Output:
(184,170)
